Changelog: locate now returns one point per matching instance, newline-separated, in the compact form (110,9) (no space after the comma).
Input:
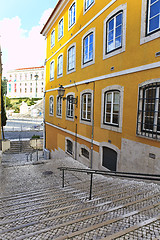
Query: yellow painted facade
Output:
(125,69)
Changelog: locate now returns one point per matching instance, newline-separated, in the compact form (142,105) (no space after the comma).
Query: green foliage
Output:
(35,136)
(8,103)
(16,110)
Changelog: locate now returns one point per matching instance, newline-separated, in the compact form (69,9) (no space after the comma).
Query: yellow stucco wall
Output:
(135,55)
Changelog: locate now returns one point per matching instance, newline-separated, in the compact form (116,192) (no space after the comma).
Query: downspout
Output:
(92,127)
(44,125)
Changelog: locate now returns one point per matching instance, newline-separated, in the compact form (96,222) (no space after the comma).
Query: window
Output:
(30,90)
(88,48)
(114,39)
(52,38)
(69,108)
(153,16)
(31,76)
(60,65)
(85,153)
(150,20)
(114,33)
(111,108)
(51,105)
(69,147)
(72,15)
(9,87)
(60,29)
(148,123)
(71,59)
(59,106)
(88,3)
(52,71)
(86,107)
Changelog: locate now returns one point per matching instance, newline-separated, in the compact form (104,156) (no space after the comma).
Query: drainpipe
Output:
(92,127)
(44,126)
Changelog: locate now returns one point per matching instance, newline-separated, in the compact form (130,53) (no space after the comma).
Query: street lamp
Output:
(36,78)
(61,92)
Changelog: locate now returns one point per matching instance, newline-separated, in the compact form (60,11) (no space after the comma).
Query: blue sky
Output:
(20,24)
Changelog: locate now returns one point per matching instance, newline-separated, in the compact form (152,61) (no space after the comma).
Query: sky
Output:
(21,21)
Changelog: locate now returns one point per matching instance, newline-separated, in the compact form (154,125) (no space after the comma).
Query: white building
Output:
(26,82)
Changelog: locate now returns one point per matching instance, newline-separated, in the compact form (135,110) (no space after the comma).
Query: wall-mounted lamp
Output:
(61,92)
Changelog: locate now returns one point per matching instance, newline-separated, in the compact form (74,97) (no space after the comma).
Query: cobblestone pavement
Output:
(33,205)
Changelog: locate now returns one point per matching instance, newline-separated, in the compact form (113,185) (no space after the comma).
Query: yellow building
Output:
(106,56)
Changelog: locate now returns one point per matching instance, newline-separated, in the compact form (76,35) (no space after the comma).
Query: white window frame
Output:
(85,121)
(90,62)
(116,128)
(70,25)
(51,106)
(82,146)
(59,74)
(144,38)
(141,131)
(122,8)
(74,69)
(52,67)
(89,7)
(61,28)
(53,38)
(59,107)
(70,118)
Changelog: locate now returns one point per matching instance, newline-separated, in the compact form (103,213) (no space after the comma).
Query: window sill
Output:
(111,128)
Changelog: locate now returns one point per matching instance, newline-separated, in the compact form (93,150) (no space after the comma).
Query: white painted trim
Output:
(111,75)
(49,105)
(59,38)
(59,116)
(82,120)
(73,134)
(86,10)
(59,76)
(122,8)
(143,37)
(85,26)
(107,126)
(73,70)
(70,27)
(53,30)
(83,65)
(69,118)
(51,79)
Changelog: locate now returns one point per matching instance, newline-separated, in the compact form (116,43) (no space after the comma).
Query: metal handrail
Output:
(142,176)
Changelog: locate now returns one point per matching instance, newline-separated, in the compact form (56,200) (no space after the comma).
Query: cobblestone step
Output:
(82,225)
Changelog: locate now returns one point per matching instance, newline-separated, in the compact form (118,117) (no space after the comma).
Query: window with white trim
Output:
(153,16)
(88,48)
(71,58)
(60,65)
(70,107)
(52,38)
(72,15)
(59,106)
(51,105)
(86,107)
(114,33)
(114,38)
(52,71)
(148,121)
(111,107)
(88,4)
(60,29)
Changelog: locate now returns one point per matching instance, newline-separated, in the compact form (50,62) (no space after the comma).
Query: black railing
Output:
(142,176)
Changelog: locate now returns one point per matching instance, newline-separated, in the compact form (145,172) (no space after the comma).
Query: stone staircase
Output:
(19,146)
(119,209)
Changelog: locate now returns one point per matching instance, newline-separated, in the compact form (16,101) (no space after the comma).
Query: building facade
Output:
(0,104)
(26,82)
(106,56)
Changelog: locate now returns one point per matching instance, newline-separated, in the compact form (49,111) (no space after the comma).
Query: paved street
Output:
(35,206)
